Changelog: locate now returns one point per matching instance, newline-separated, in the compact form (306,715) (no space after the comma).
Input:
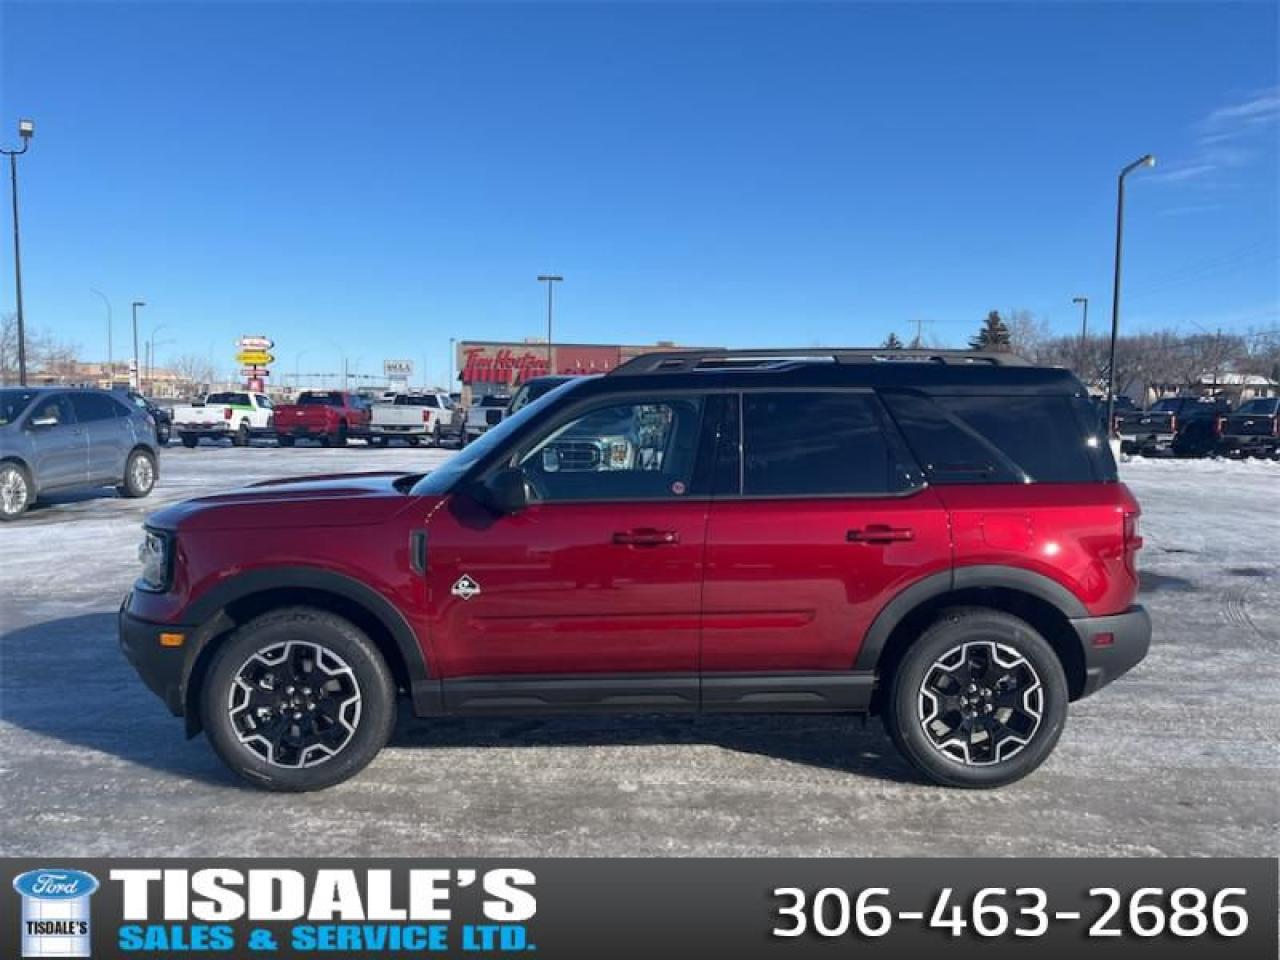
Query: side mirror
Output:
(506,491)
(41,423)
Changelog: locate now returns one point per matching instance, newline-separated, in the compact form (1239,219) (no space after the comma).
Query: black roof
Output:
(925,370)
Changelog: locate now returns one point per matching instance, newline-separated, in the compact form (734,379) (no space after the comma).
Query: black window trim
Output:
(898,449)
(585,405)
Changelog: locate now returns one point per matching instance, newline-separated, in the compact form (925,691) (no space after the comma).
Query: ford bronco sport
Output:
(937,538)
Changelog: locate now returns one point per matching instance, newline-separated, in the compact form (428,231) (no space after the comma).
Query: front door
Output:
(59,449)
(825,525)
(600,574)
(107,433)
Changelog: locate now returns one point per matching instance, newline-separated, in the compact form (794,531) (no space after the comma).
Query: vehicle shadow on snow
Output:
(66,680)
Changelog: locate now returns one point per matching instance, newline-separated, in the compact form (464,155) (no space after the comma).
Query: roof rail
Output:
(684,361)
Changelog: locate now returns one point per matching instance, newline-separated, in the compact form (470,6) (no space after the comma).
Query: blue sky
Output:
(373,179)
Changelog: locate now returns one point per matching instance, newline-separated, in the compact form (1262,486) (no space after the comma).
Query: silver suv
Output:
(57,439)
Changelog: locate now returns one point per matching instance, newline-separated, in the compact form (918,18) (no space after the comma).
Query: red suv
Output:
(938,538)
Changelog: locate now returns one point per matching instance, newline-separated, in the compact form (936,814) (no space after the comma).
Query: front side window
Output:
(90,407)
(53,407)
(817,444)
(625,451)
(12,403)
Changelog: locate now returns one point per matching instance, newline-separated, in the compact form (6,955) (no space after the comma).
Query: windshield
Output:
(494,401)
(1261,407)
(314,398)
(12,403)
(1168,405)
(442,479)
(532,391)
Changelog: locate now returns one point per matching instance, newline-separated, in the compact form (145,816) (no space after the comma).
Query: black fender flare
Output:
(209,610)
(962,578)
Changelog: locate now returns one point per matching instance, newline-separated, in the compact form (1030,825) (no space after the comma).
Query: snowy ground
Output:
(1181,757)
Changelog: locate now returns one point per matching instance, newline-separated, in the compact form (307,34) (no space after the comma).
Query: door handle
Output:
(646,537)
(880,533)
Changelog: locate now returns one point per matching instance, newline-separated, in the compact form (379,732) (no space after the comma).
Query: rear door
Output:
(60,450)
(107,434)
(825,521)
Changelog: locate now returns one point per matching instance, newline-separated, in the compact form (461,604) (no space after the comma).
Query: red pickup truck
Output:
(329,416)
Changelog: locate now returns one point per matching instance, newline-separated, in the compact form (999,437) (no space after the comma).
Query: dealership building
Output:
(487,367)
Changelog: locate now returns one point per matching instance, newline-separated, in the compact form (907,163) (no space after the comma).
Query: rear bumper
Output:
(1248,443)
(1130,639)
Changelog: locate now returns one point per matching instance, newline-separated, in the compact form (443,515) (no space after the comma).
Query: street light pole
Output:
(1084,330)
(135,374)
(550,280)
(25,131)
(1145,161)
(111,374)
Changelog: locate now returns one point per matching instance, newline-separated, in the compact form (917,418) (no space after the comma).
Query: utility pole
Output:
(111,374)
(550,280)
(135,374)
(1144,161)
(26,129)
(1084,330)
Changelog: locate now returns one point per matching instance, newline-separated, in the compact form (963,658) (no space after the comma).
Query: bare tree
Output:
(194,369)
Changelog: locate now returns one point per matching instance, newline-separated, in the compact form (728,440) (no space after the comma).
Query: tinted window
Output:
(995,439)
(54,406)
(90,407)
(12,403)
(313,398)
(231,399)
(619,452)
(808,444)
(1263,408)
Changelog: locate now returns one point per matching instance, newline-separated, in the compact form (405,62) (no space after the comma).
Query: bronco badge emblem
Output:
(466,588)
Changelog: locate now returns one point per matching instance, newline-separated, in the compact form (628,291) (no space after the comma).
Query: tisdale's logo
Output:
(55,912)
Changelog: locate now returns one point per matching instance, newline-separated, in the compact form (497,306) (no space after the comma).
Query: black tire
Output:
(162,436)
(241,437)
(285,441)
(189,442)
(340,438)
(16,490)
(437,436)
(140,474)
(365,722)
(413,441)
(1024,705)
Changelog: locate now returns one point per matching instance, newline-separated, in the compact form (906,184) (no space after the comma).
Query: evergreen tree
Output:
(992,335)
(891,343)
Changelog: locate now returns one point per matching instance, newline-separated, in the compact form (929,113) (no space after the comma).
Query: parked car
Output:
(1253,430)
(237,415)
(484,412)
(931,539)
(160,416)
(330,417)
(59,440)
(531,390)
(417,417)
(1185,426)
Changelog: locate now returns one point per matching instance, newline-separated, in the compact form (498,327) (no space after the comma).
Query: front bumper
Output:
(1130,634)
(164,669)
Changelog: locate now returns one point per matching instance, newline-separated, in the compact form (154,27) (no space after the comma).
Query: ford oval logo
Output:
(50,884)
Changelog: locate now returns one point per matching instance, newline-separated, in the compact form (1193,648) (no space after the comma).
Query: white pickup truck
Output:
(416,417)
(485,412)
(235,415)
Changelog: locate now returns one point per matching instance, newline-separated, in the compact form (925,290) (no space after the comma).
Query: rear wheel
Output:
(139,475)
(978,701)
(241,437)
(437,436)
(298,699)
(340,438)
(16,493)
(189,442)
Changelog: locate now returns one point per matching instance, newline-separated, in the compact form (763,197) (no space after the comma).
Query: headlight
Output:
(154,555)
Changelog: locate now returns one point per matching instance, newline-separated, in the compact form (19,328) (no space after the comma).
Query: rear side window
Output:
(93,406)
(995,439)
(816,444)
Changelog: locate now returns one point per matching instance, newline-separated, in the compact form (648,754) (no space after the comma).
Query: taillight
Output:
(1218,424)
(1173,423)
(1132,541)
(226,413)
(1275,426)
(426,416)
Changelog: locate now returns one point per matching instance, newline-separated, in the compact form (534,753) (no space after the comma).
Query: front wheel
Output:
(15,491)
(298,699)
(978,701)
(139,475)
(340,438)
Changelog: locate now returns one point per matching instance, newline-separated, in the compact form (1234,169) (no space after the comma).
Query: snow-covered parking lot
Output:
(1181,757)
